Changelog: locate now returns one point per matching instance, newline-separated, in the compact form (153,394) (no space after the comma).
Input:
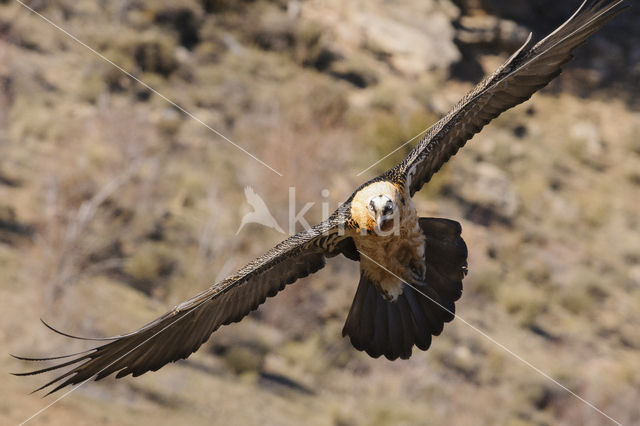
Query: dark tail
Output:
(380,327)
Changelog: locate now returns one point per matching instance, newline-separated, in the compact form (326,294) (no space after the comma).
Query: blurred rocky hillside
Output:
(610,61)
(115,206)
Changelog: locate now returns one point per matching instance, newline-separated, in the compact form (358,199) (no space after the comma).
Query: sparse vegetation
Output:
(114,206)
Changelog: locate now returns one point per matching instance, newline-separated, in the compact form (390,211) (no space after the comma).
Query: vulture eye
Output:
(372,206)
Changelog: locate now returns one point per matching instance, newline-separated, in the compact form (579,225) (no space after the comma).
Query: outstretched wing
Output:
(181,331)
(527,71)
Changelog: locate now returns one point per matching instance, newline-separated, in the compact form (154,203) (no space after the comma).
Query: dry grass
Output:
(114,207)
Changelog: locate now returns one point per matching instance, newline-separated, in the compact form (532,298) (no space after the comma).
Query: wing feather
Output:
(181,331)
(525,72)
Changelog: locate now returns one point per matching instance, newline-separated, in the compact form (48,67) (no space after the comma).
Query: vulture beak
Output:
(384,212)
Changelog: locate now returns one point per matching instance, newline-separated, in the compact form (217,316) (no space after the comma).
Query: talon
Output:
(417,270)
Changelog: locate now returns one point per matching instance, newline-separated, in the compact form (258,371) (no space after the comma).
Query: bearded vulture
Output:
(401,254)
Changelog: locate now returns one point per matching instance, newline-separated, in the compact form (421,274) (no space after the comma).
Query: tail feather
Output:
(382,327)
(434,314)
(421,335)
(381,335)
(396,336)
(357,310)
(409,329)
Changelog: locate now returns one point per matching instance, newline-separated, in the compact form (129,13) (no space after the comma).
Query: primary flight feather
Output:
(399,252)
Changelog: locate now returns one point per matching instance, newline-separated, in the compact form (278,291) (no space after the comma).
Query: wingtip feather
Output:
(62,333)
(51,358)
